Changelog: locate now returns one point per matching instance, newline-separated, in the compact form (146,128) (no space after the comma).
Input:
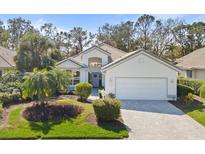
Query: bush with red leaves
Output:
(51,112)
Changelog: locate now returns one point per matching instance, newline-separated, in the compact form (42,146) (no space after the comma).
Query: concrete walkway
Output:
(94,95)
(158,120)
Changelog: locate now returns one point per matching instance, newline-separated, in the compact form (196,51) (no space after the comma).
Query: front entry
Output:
(96,79)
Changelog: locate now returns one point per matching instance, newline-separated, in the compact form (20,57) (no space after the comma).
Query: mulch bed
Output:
(73,97)
(51,112)
(92,119)
(197,104)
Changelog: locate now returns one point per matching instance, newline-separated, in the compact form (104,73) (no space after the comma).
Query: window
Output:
(189,73)
(75,77)
(95,62)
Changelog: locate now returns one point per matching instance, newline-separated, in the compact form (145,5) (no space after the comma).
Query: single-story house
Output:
(193,64)
(6,59)
(135,75)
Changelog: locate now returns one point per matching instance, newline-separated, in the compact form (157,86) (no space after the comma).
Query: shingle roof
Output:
(115,52)
(195,59)
(7,58)
(136,52)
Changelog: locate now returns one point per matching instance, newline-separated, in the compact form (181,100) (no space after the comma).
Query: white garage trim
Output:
(147,95)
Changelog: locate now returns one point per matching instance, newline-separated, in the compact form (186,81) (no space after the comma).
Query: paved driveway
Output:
(159,120)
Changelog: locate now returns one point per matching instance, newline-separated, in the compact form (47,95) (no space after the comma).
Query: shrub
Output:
(111,95)
(202,91)
(186,99)
(12,76)
(15,97)
(11,81)
(100,93)
(51,112)
(83,90)
(107,109)
(5,98)
(8,99)
(183,90)
(195,84)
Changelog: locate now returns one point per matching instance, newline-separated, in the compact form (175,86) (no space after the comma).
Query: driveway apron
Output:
(159,120)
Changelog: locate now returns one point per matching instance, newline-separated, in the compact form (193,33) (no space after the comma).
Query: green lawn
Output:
(74,128)
(196,110)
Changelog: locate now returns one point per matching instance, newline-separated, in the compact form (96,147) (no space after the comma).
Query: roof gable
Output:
(136,53)
(91,49)
(70,63)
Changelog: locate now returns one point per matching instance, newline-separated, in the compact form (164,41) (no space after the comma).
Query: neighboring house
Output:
(6,59)
(135,75)
(193,64)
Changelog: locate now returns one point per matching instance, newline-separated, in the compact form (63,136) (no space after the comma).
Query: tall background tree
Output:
(4,35)
(144,29)
(49,30)
(120,36)
(34,52)
(80,39)
(17,27)
(42,47)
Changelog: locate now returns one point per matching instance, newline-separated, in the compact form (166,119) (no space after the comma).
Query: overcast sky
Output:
(91,22)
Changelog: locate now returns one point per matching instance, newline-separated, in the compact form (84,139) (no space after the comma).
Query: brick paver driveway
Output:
(159,120)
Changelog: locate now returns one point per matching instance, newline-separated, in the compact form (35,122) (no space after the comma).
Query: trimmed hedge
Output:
(7,98)
(195,84)
(83,90)
(183,90)
(202,91)
(107,109)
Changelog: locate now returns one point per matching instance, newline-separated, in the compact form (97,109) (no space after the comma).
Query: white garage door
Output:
(141,88)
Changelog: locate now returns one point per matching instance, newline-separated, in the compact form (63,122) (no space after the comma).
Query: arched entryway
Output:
(95,76)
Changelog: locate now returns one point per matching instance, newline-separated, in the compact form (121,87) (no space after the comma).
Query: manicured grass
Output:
(196,110)
(74,128)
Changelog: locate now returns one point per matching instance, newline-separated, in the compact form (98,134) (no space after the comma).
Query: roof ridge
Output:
(112,47)
(6,60)
(93,46)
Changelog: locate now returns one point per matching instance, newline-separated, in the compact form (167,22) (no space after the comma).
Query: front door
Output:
(95,79)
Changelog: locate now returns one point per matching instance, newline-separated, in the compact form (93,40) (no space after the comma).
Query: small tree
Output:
(39,84)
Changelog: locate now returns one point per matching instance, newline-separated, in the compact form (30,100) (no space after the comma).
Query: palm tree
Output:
(62,78)
(39,85)
(42,84)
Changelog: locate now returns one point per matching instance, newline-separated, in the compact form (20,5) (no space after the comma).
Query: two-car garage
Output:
(141,76)
(141,88)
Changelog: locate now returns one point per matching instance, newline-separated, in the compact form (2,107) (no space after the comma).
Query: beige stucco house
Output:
(134,75)
(6,59)
(193,64)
